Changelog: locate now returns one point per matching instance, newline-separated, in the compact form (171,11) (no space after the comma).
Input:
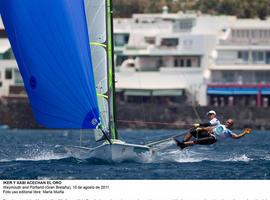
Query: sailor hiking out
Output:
(197,133)
(210,135)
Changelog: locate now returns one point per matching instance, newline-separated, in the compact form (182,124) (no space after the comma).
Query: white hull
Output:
(118,151)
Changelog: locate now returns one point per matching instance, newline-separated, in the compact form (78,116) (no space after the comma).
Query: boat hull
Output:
(117,152)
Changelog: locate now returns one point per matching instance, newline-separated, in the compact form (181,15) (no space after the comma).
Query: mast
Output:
(111,74)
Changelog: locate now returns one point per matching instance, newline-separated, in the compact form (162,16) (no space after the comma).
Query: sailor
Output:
(213,121)
(213,134)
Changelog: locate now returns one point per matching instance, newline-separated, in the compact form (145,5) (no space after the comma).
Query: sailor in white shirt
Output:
(214,134)
(196,133)
(213,121)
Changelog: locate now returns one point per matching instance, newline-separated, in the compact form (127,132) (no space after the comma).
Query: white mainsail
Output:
(97,30)
(100,30)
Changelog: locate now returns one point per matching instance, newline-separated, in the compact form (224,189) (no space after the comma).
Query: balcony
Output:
(243,42)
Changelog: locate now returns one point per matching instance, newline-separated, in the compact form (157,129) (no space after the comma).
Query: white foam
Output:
(267,157)
(5,160)
(44,155)
(175,155)
(242,158)
(48,155)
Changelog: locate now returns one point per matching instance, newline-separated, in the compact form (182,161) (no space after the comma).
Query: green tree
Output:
(239,8)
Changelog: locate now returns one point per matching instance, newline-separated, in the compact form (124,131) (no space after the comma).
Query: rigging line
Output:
(196,112)
(141,97)
(186,79)
(167,139)
(152,122)
(106,136)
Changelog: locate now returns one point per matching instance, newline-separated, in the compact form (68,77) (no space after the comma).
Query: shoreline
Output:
(18,114)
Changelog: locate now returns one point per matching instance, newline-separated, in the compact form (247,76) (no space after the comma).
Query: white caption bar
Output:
(134,190)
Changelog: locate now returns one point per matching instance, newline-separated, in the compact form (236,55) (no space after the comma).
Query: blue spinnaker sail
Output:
(51,45)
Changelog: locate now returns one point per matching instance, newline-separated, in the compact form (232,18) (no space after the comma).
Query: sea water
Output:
(38,154)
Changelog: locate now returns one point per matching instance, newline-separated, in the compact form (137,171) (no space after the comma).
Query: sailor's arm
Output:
(202,124)
(237,136)
(208,129)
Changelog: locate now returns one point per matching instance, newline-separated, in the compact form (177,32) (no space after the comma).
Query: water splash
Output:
(36,153)
(241,158)
(163,153)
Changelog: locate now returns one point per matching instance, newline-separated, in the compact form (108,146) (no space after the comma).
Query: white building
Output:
(177,57)
(11,84)
(241,74)
(167,54)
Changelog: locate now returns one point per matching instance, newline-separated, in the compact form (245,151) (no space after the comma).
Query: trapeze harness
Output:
(219,132)
(203,134)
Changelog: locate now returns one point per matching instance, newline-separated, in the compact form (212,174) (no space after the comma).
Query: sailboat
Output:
(64,50)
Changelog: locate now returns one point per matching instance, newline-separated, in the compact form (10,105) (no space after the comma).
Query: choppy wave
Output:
(22,149)
(164,153)
(267,157)
(160,156)
(40,156)
(241,158)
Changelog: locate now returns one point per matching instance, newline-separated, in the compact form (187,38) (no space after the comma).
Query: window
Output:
(233,33)
(150,40)
(265,34)
(18,77)
(126,38)
(263,77)
(179,62)
(248,34)
(8,54)
(1,84)
(183,24)
(253,33)
(257,56)
(170,42)
(242,33)
(267,57)
(160,62)
(188,63)
(238,32)
(243,55)
(8,74)
(120,59)
(3,34)
(176,62)
(121,39)
(182,63)
(186,24)
(228,77)
(261,33)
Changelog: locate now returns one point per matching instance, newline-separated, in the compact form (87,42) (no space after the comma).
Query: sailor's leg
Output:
(187,137)
(205,141)
(183,145)
(192,133)
(202,141)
